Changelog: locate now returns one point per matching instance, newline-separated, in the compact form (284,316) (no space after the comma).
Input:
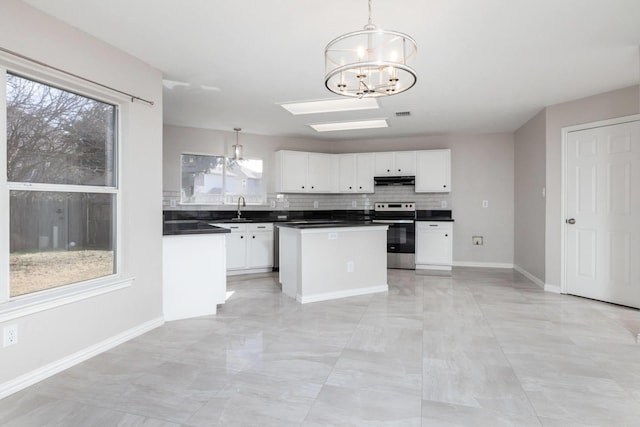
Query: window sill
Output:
(46,300)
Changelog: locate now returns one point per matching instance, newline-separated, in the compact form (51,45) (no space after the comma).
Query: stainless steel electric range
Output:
(401,241)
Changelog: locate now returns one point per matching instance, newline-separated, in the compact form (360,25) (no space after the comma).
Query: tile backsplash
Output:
(171,200)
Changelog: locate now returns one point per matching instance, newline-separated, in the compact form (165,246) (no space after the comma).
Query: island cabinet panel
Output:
(193,275)
(433,171)
(249,247)
(326,263)
(434,245)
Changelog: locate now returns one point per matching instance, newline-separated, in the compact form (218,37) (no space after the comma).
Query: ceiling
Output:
(483,66)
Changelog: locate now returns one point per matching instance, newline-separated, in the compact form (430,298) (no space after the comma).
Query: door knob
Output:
(570,221)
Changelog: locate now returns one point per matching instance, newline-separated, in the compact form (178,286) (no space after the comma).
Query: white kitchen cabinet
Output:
(303,172)
(434,245)
(236,250)
(260,245)
(249,247)
(433,171)
(395,163)
(193,275)
(319,172)
(355,173)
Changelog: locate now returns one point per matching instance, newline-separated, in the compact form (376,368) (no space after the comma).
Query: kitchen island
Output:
(320,262)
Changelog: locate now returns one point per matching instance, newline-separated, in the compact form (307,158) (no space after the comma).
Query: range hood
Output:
(394,180)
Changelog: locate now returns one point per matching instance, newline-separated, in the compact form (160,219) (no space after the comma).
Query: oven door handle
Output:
(393,221)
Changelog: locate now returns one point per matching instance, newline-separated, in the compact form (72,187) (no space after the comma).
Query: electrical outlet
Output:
(354,204)
(173,203)
(272,203)
(285,203)
(350,267)
(10,336)
(477,241)
(315,204)
(443,204)
(485,203)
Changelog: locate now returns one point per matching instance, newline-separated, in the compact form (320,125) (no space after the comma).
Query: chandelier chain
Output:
(369,12)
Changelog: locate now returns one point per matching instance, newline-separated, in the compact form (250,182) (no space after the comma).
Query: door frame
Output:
(563,189)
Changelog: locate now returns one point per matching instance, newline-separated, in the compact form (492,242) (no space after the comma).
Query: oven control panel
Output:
(395,207)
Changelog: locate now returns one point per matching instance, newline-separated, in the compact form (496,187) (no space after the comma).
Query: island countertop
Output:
(329,224)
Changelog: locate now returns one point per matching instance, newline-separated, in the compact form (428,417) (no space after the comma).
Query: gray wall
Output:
(482,169)
(48,336)
(617,103)
(529,202)
(178,140)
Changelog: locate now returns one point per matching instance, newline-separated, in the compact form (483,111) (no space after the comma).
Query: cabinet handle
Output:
(399,170)
(312,187)
(444,186)
(242,237)
(361,187)
(433,225)
(303,186)
(388,170)
(262,226)
(350,188)
(446,235)
(253,237)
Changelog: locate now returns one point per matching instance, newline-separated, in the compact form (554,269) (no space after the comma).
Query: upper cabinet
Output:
(355,173)
(433,171)
(395,163)
(302,172)
(320,173)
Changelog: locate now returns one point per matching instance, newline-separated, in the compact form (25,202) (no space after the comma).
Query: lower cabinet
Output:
(193,275)
(249,247)
(434,245)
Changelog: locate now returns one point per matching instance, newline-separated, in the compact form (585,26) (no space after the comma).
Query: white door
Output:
(602,258)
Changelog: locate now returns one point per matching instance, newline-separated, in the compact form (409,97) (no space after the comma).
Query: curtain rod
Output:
(35,61)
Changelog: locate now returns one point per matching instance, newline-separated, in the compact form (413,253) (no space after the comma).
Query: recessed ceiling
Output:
(483,66)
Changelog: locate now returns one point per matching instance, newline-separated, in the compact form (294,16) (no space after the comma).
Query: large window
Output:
(61,184)
(221,180)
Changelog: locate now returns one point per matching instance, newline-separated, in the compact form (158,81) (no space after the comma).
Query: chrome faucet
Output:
(244,204)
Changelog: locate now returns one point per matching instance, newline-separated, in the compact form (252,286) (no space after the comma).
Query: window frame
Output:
(14,307)
(224,181)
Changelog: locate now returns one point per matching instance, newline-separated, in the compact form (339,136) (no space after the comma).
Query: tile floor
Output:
(483,347)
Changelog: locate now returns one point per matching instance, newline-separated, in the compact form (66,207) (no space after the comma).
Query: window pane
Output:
(58,137)
(59,238)
(202,179)
(244,178)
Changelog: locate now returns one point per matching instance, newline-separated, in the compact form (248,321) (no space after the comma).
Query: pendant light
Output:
(237,148)
(370,63)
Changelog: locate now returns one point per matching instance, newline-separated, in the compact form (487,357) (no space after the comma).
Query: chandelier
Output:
(370,63)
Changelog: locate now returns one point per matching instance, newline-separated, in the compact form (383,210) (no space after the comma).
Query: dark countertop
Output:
(174,228)
(310,218)
(434,215)
(303,226)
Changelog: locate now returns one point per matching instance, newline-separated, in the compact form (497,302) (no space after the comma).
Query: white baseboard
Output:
(433,267)
(552,288)
(341,294)
(482,264)
(249,271)
(528,275)
(46,371)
